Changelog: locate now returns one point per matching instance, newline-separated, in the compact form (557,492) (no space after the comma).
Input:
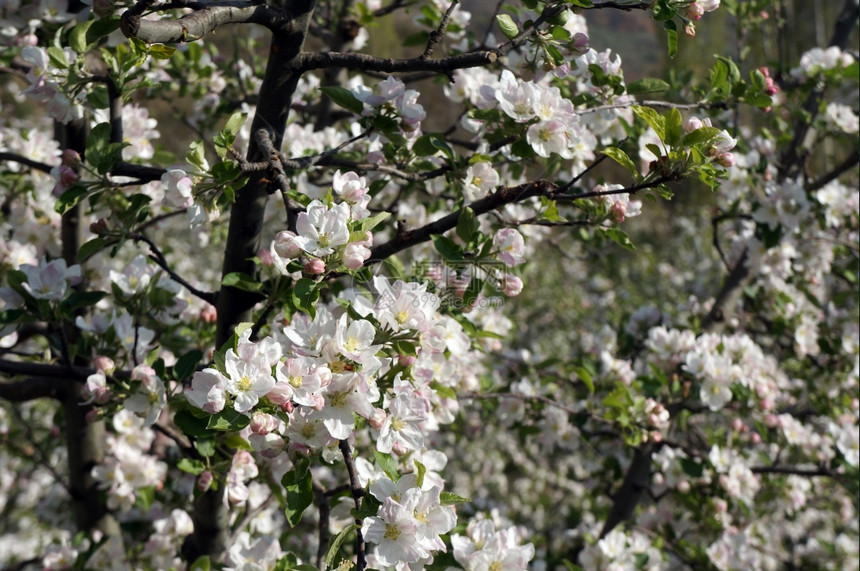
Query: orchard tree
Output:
(259,311)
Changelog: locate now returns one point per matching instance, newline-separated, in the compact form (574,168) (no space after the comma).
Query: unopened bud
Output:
(204,480)
(70,157)
(377,419)
(104,364)
(315,267)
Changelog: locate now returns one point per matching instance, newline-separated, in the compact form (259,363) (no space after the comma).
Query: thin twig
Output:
(159,259)
(357,494)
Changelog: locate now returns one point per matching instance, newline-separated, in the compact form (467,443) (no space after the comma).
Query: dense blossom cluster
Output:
(626,415)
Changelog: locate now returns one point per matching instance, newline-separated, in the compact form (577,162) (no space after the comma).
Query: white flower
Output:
(400,430)
(321,229)
(207,390)
(394,530)
(50,280)
(151,399)
(248,379)
(510,245)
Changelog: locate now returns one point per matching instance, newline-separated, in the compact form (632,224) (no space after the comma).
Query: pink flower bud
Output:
(720,505)
(377,419)
(204,480)
(692,124)
(315,267)
(683,487)
(690,30)
(209,314)
(695,11)
(71,157)
(92,416)
(99,227)
(755,438)
(658,479)
(513,285)
(737,425)
(726,159)
(580,43)
(262,423)
(104,365)
(406,360)
(265,257)
(286,246)
(287,407)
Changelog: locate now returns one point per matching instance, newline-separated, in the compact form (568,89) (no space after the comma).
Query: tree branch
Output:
(357,494)
(33,388)
(506,195)
(159,259)
(16,158)
(197,24)
(364,62)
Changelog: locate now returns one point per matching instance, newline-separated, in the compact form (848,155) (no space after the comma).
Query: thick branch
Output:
(197,24)
(322,60)
(502,196)
(33,388)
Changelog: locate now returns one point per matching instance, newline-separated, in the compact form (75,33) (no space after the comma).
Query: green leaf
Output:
(654,119)
(647,85)
(621,158)
(337,543)
(305,295)
(160,51)
(195,467)
(429,144)
(585,377)
(205,445)
(371,222)
(241,281)
(447,247)
(618,236)
(671,38)
(691,467)
(57,57)
(90,248)
(191,424)
(237,442)
(186,364)
(144,498)
(300,495)
(81,299)
(102,27)
(202,563)
(421,470)
(450,499)
(196,156)
(344,98)
(699,136)
(228,419)
(71,197)
(78,36)
(674,127)
(467,225)
(369,507)
(508,26)
(387,464)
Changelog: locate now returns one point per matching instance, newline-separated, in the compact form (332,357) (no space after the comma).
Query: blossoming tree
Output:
(339,333)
